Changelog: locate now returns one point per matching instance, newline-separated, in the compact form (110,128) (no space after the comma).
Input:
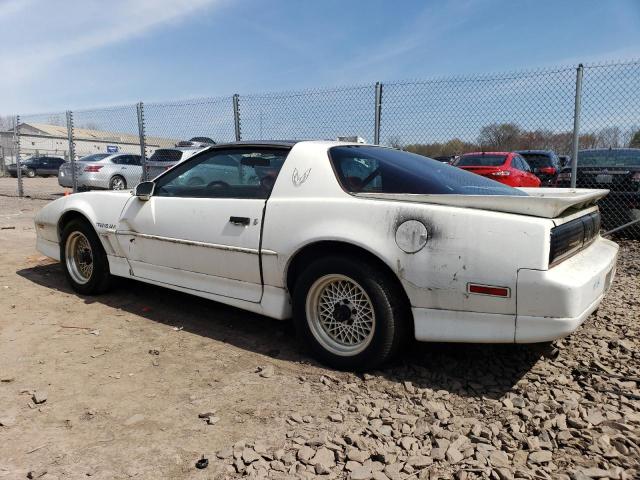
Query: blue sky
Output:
(79,53)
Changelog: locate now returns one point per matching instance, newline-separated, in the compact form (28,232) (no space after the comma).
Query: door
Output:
(118,166)
(44,166)
(204,234)
(129,167)
(38,166)
(134,170)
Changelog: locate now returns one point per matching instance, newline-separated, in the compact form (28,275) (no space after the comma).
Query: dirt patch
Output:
(142,382)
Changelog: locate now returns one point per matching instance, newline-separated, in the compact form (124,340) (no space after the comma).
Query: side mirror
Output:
(144,190)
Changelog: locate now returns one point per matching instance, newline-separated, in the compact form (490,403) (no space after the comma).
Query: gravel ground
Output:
(143,382)
(38,187)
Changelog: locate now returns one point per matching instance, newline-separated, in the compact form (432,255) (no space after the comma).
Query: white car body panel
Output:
(206,252)
(189,245)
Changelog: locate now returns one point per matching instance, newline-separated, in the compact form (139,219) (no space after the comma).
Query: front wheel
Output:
(83,258)
(30,173)
(349,313)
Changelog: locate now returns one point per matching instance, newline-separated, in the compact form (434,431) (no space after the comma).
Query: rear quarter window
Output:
(370,169)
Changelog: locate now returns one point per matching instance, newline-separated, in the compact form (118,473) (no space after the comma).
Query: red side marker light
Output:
(488,290)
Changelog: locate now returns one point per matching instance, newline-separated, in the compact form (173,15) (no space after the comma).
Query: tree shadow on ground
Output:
(468,370)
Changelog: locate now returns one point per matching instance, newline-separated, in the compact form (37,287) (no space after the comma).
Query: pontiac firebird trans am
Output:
(363,245)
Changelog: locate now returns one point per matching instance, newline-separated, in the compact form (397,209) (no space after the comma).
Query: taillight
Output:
(548,170)
(92,168)
(568,238)
(501,173)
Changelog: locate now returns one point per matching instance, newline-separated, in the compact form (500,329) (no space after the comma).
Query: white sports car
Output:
(364,246)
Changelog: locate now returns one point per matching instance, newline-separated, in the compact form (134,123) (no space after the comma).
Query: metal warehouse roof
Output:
(91,135)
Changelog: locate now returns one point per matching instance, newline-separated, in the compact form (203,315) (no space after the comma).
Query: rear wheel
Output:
(117,183)
(349,313)
(30,173)
(84,260)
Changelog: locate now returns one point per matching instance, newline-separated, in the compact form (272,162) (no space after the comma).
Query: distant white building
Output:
(40,139)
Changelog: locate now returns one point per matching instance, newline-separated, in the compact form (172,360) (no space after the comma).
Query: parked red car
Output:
(505,167)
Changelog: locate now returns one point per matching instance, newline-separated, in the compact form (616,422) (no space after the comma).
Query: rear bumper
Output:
(84,180)
(550,303)
(65,179)
(553,303)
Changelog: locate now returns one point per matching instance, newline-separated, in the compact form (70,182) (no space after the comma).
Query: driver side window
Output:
(233,173)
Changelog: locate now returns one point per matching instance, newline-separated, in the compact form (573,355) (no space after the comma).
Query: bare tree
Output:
(502,136)
(609,137)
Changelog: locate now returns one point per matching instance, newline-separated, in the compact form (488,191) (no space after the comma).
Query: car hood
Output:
(539,202)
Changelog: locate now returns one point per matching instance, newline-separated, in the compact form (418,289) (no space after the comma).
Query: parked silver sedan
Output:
(112,171)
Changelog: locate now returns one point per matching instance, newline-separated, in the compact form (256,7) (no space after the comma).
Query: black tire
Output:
(392,313)
(100,278)
(113,181)
(30,173)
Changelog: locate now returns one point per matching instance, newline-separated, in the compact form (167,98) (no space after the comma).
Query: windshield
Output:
(96,157)
(385,170)
(537,160)
(166,155)
(610,158)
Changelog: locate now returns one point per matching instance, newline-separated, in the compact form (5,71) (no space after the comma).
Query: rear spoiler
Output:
(539,202)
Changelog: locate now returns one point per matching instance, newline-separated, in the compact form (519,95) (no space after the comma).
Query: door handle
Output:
(240,220)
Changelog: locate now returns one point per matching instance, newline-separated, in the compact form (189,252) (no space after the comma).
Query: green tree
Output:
(635,140)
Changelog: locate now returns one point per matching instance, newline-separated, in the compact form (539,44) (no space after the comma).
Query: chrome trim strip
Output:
(194,243)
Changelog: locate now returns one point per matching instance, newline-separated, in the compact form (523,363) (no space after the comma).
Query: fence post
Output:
(576,126)
(72,151)
(143,141)
(236,116)
(378,114)
(16,139)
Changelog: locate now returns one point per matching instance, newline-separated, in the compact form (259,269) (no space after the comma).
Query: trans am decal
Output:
(298,180)
(108,226)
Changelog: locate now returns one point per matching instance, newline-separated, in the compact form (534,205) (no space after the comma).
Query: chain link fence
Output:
(609,139)
(591,113)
